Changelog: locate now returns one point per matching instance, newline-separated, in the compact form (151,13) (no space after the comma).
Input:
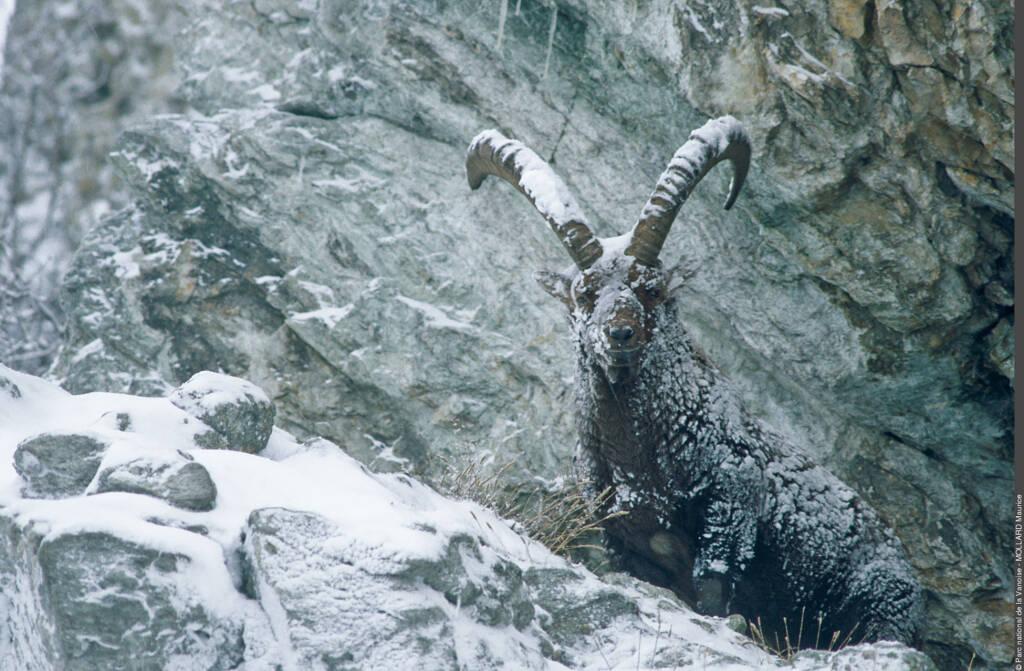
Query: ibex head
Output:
(618,286)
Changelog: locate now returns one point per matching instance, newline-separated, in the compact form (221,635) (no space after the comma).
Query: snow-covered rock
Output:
(239,412)
(177,479)
(57,465)
(310,561)
(110,595)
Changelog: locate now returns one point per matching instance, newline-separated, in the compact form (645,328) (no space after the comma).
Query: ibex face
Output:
(613,310)
(614,295)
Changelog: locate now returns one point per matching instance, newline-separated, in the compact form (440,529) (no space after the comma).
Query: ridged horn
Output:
(716,141)
(491,153)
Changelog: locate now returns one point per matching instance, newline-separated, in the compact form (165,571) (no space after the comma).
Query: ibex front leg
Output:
(727,533)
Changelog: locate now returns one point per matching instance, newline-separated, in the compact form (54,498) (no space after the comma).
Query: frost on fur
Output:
(720,509)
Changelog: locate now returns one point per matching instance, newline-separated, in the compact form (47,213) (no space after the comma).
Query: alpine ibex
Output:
(720,509)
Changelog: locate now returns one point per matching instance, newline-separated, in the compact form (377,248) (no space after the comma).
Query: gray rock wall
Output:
(310,228)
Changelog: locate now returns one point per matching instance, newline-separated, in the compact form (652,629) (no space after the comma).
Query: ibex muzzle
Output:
(612,307)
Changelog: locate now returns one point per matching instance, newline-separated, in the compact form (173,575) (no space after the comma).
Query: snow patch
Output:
(92,347)
(6,11)
(330,316)
(266,92)
(436,318)
(125,266)
(770,11)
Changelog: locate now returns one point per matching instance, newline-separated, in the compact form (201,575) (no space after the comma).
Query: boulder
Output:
(58,465)
(182,482)
(97,601)
(238,411)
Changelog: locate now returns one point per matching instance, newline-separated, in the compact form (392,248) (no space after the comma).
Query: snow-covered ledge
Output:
(126,545)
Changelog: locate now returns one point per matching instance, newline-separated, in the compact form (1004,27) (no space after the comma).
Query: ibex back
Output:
(721,510)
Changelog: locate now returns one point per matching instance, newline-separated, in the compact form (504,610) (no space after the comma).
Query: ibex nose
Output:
(620,333)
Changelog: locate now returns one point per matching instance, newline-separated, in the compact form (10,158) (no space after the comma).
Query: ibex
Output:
(719,509)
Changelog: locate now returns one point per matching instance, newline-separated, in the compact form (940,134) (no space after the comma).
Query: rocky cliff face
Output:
(308,226)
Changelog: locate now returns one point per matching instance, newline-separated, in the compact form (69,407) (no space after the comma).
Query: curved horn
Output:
(717,140)
(491,153)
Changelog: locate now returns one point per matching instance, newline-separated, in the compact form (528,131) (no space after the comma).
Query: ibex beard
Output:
(720,509)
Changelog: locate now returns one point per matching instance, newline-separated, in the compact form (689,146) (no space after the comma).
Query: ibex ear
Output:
(556,284)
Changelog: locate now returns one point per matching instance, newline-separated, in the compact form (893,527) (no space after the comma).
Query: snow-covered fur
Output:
(721,510)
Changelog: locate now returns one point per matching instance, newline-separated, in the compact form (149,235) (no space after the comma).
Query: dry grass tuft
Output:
(564,519)
(787,648)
